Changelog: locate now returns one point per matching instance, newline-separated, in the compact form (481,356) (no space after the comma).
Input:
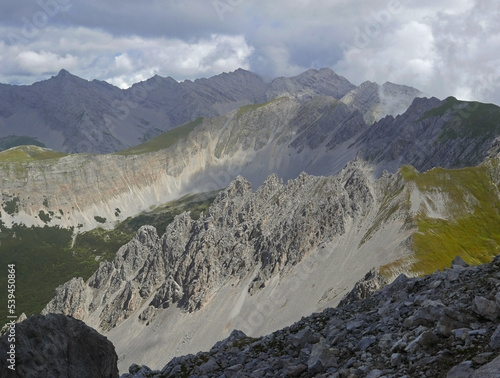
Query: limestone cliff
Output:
(285,136)
(251,249)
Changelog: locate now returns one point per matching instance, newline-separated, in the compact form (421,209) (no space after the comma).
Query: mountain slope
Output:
(282,136)
(442,325)
(376,101)
(73,115)
(432,133)
(244,264)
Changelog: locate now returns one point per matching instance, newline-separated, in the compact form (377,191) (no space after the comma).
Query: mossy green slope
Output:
(27,154)
(469,119)
(472,228)
(164,140)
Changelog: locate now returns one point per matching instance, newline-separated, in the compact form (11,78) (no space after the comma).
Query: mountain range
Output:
(73,115)
(318,181)
(283,136)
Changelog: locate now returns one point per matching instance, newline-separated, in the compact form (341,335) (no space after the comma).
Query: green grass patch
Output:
(473,234)
(11,206)
(100,219)
(27,154)
(475,120)
(45,217)
(439,111)
(161,216)
(164,140)
(42,263)
(249,108)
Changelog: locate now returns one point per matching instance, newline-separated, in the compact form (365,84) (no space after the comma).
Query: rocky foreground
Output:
(442,325)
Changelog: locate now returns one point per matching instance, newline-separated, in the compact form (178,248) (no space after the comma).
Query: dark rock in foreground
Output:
(442,325)
(58,346)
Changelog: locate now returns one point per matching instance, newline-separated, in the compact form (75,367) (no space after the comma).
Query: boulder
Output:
(56,345)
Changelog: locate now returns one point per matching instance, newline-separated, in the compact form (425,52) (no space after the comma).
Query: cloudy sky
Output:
(445,47)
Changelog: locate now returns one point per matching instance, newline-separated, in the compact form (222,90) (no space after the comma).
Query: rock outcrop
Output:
(417,327)
(247,259)
(57,346)
(268,231)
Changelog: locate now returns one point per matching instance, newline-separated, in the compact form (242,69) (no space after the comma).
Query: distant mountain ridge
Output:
(73,115)
(284,136)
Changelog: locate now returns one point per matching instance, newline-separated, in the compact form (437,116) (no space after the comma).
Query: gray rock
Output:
(396,359)
(463,370)
(486,308)
(458,263)
(305,336)
(453,275)
(490,370)
(371,283)
(210,366)
(295,371)
(321,358)
(428,340)
(376,373)
(426,316)
(495,339)
(55,345)
(366,342)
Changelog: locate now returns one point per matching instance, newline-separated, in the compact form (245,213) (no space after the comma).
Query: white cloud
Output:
(122,60)
(446,47)
(124,63)
(404,55)
(44,61)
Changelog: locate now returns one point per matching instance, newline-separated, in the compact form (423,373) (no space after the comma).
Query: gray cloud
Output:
(443,48)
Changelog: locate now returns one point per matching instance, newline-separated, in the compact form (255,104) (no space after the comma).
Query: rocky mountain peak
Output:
(269,229)
(309,84)
(147,236)
(94,117)
(65,76)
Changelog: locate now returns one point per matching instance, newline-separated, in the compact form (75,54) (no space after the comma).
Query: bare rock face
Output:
(71,298)
(323,82)
(376,101)
(59,346)
(272,230)
(371,283)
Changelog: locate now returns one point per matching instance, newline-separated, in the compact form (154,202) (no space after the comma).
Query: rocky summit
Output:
(443,325)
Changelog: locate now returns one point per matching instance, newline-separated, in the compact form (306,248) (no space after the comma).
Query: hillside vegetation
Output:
(470,223)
